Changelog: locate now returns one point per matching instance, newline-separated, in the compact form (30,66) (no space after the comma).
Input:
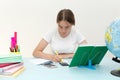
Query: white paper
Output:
(38,61)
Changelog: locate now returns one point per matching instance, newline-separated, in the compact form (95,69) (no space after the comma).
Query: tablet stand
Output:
(89,66)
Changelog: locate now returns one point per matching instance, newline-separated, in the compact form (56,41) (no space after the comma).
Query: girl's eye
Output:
(60,26)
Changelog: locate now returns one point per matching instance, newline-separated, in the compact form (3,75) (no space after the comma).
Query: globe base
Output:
(115,73)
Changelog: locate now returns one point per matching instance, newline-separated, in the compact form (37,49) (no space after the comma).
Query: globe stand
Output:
(115,73)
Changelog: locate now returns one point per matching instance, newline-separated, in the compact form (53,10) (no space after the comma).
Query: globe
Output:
(112,40)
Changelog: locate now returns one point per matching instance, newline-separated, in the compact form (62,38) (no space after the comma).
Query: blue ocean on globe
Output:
(112,38)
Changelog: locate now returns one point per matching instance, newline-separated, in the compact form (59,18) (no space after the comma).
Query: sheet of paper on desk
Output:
(37,61)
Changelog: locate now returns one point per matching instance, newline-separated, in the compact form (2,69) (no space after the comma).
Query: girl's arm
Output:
(38,52)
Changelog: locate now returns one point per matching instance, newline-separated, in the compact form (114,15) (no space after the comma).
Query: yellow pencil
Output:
(57,54)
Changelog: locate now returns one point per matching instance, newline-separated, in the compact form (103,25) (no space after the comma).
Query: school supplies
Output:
(5,64)
(43,62)
(88,56)
(10,64)
(14,46)
(38,61)
(18,72)
(62,62)
(10,58)
(47,63)
(57,54)
(11,69)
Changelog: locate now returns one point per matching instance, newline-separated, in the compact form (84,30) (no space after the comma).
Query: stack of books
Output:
(11,65)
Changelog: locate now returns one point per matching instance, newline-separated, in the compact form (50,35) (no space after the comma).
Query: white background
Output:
(33,18)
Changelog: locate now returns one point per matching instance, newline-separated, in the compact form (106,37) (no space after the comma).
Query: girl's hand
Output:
(56,58)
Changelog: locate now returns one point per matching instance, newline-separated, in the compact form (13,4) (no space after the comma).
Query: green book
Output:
(84,54)
(10,58)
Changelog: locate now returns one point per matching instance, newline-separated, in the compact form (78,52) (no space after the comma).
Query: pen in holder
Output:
(14,47)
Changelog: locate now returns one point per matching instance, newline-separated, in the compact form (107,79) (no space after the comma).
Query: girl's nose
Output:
(63,30)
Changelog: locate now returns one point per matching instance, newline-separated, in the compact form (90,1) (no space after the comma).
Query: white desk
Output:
(34,72)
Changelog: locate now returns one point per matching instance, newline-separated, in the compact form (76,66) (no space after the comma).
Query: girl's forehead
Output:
(64,23)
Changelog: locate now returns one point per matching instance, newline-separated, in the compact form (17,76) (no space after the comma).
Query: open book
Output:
(84,54)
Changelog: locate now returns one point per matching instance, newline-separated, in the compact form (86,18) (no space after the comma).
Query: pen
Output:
(57,54)
(61,61)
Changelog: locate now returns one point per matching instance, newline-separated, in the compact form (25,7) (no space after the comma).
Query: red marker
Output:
(15,36)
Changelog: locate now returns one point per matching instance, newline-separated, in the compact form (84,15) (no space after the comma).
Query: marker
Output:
(11,49)
(62,62)
(57,54)
(16,48)
(15,36)
(12,42)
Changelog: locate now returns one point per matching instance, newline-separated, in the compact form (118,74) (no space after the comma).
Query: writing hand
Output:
(56,58)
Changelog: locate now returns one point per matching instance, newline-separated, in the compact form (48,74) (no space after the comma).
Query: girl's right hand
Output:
(56,58)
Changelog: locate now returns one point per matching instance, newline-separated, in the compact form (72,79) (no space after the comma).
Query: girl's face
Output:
(64,28)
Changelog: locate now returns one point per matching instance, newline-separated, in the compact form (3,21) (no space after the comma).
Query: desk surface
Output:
(35,72)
